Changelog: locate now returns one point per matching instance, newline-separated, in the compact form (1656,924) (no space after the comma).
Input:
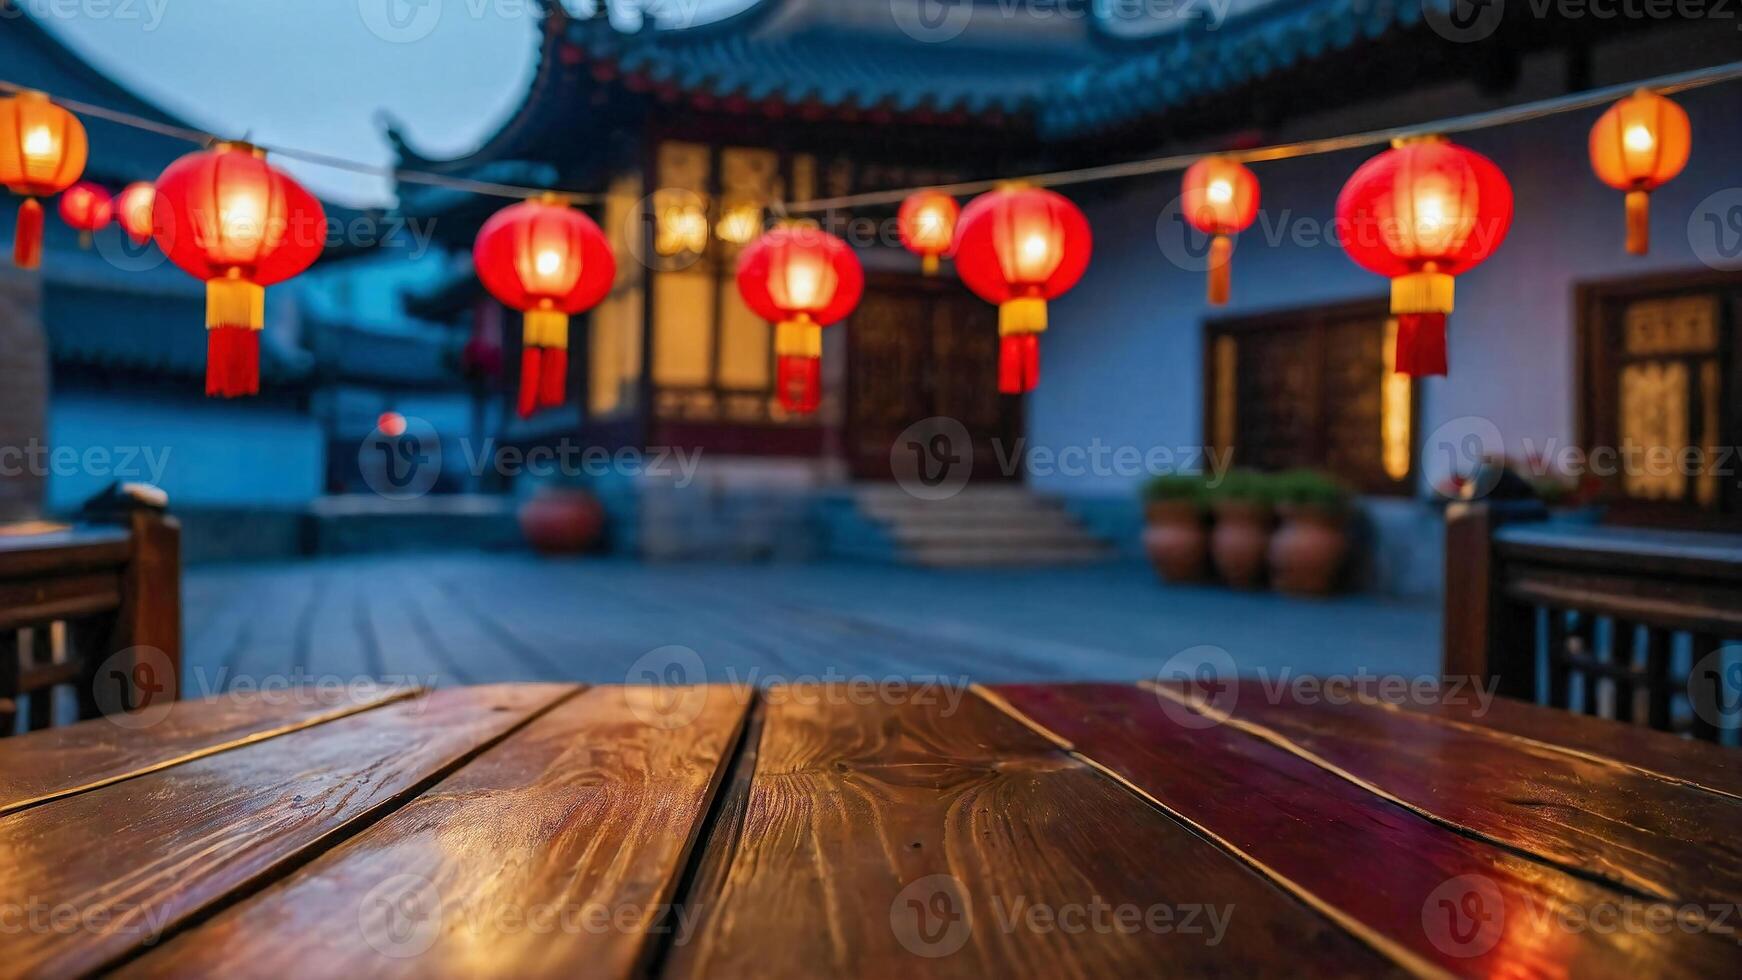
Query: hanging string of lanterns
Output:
(1419,213)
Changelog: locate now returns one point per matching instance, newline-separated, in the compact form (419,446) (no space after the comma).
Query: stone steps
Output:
(981,526)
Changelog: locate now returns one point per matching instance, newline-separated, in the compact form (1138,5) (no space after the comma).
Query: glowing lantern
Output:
(1020,246)
(548,261)
(927,222)
(133,210)
(42,152)
(1421,213)
(1639,144)
(802,279)
(739,224)
(1219,197)
(86,208)
(228,217)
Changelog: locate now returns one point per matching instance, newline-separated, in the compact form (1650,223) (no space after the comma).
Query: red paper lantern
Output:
(927,223)
(1640,143)
(42,152)
(1421,213)
(86,207)
(228,217)
(549,261)
(1219,196)
(133,210)
(1019,247)
(801,279)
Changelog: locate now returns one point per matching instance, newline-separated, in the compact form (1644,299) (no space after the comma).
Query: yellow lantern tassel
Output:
(235,315)
(1221,261)
(27,235)
(1638,222)
(930,264)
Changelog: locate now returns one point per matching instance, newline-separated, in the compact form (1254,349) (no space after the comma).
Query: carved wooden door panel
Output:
(918,349)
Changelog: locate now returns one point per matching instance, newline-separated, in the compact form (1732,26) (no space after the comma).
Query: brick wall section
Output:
(23,391)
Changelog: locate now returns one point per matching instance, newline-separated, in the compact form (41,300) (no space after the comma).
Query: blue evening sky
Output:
(316,73)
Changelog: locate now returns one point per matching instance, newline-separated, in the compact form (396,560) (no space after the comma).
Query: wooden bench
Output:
(92,610)
(1631,624)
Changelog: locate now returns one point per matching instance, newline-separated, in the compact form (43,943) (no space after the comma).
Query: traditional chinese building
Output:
(691,132)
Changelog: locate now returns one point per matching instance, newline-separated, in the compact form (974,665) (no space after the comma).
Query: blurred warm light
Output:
(133,208)
(391,424)
(1394,412)
(1220,191)
(681,229)
(739,224)
(39,144)
(1638,138)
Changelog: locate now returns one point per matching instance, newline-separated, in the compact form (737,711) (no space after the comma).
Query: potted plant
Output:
(1240,500)
(562,518)
(1174,535)
(1308,552)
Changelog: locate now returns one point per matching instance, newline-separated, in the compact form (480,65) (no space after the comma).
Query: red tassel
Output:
(1421,344)
(232,362)
(1018,363)
(27,236)
(799,382)
(553,377)
(530,376)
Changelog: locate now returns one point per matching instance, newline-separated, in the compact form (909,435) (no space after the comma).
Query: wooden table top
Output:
(873,830)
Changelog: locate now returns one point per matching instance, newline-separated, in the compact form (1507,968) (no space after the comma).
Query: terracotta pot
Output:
(1240,541)
(1176,540)
(562,522)
(1307,552)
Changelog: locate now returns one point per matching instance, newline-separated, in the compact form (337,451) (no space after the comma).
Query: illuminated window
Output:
(1313,388)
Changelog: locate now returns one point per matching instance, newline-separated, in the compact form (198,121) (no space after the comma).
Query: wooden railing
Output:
(90,615)
(1623,623)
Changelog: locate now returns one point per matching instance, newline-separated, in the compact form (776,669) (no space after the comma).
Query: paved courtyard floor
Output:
(474,618)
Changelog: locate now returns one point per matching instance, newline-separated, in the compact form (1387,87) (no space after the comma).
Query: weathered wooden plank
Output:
(551,854)
(1438,901)
(1647,836)
(44,765)
(1694,761)
(900,839)
(100,873)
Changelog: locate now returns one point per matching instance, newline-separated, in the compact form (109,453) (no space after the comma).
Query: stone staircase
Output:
(981,526)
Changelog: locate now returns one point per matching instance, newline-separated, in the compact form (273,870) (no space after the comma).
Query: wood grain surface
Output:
(1439,901)
(43,765)
(553,854)
(100,873)
(1646,835)
(908,839)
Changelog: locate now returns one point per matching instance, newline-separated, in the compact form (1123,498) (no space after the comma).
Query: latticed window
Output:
(1312,388)
(1660,420)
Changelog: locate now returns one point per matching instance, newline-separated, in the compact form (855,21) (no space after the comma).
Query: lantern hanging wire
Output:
(1508,115)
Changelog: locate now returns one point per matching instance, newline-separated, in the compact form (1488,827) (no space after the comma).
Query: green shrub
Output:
(1243,486)
(1188,487)
(1311,488)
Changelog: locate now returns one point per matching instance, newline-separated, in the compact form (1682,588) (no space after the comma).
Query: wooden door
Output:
(923,348)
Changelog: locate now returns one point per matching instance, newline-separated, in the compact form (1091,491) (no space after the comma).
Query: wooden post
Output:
(1484,635)
(151,593)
